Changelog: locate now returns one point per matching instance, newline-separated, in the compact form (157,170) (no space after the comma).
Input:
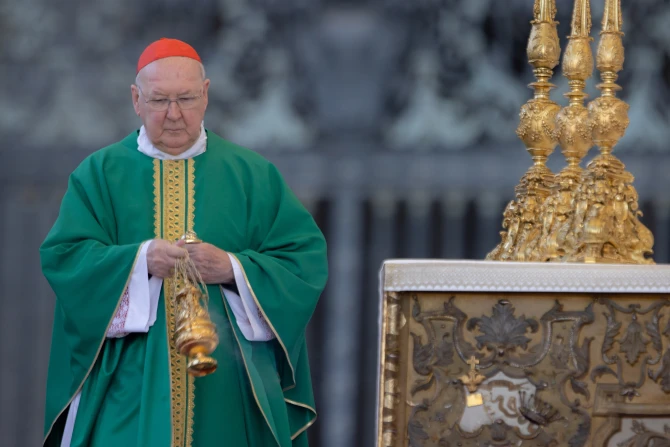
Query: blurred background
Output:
(392,120)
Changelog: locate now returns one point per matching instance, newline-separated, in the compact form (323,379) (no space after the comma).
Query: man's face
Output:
(175,129)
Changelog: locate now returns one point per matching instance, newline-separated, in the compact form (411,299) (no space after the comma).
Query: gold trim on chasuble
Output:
(174,200)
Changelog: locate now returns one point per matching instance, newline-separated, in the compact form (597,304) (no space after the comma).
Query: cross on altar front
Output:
(472,380)
(473,362)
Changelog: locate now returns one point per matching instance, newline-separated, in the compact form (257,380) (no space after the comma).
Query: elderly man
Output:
(116,377)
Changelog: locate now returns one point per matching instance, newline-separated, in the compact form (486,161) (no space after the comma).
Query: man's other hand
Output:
(213,263)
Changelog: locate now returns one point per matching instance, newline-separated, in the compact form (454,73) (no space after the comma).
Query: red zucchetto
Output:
(166,48)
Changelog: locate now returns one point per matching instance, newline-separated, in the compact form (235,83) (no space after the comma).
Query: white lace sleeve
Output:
(116,329)
(137,310)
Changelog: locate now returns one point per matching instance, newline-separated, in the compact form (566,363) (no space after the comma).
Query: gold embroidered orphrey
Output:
(174,216)
(579,215)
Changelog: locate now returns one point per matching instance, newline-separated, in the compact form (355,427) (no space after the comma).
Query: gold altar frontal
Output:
(523,354)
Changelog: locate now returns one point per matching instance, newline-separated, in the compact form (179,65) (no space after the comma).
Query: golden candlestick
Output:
(574,133)
(522,221)
(591,215)
(605,227)
(195,335)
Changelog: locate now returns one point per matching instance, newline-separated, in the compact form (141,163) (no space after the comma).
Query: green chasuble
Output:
(135,391)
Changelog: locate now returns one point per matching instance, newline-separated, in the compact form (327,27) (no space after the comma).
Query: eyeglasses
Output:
(162,104)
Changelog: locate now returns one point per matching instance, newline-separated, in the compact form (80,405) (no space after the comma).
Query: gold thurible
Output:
(522,220)
(195,334)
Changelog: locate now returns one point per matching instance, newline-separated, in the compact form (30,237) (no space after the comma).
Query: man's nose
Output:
(173,111)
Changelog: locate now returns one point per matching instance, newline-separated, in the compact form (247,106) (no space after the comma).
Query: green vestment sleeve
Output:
(88,272)
(286,270)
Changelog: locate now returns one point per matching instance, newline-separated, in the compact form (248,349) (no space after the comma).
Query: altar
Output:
(562,337)
(523,354)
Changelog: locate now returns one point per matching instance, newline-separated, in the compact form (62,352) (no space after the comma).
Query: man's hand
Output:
(161,257)
(213,263)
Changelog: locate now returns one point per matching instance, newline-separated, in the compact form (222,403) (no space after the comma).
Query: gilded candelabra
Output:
(522,221)
(590,215)
(605,227)
(195,335)
(574,134)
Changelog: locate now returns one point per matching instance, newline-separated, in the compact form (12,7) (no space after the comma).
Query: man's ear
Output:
(205,90)
(135,94)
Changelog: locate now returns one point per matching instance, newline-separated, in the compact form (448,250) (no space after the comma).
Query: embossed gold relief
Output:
(508,346)
(537,131)
(390,396)
(556,369)
(590,215)
(636,331)
(644,436)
